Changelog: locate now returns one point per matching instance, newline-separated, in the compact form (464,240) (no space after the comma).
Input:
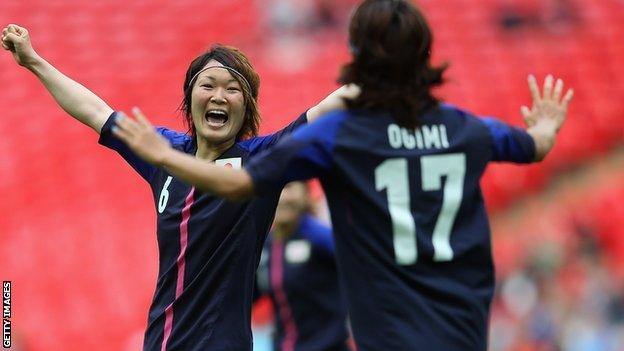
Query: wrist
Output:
(34,63)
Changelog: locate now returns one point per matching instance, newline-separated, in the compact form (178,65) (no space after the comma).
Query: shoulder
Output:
(325,127)
(180,141)
(310,223)
(462,120)
(457,113)
(248,144)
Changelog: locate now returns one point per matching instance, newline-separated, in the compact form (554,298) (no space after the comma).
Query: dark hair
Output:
(235,59)
(391,47)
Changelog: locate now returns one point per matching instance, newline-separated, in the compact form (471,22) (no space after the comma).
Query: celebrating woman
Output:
(209,247)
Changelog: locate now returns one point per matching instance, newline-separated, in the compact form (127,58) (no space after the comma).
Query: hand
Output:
(549,110)
(17,40)
(141,137)
(334,101)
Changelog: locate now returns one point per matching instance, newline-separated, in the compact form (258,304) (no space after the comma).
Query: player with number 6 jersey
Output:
(209,247)
(401,173)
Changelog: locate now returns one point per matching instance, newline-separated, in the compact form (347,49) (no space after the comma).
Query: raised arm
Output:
(547,114)
(75,99)
(334,101)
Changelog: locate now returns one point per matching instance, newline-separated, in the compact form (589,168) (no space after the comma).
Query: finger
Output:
(126,123)
(558,89)
(535,94)
(121,134)
(129,125)
(12,28)
(15,27)
(5,45)
(17,30)
(567,98)
(9,42)
(548,84)
(141,117)
(526,113)
(10,38)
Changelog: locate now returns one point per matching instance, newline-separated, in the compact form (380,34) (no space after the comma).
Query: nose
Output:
(218,97)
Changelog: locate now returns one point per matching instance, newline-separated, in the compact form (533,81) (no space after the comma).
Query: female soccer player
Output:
(401,172)
(209,247)
(298,272)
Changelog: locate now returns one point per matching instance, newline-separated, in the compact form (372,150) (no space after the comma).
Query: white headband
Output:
(232,70)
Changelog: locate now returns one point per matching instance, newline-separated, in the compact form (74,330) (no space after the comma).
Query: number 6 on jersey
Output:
(392,175)
(164,195)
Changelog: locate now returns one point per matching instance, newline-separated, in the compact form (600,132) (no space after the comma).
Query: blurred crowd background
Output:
(77,227)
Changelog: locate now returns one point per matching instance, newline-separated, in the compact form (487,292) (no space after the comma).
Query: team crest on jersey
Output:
(297,251)
(234,162)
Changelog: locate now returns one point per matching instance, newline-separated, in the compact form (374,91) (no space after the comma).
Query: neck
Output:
(209,151)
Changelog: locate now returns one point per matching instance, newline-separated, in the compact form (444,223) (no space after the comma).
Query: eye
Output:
(233,89)
(207,86)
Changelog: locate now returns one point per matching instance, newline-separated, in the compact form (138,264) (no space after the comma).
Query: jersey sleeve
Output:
(304,155)
(319,235)
(509,143)
(258,144)
(108,139)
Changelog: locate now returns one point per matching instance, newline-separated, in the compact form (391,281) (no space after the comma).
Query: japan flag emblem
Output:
(234,162)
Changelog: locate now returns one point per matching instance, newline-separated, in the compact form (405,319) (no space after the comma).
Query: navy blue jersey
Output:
(411,230)
(299,274)
(209,249)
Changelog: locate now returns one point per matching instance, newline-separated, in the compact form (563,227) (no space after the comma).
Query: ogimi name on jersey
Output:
(423,137)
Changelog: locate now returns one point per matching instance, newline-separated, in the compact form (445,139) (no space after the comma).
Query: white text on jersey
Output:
(424,137)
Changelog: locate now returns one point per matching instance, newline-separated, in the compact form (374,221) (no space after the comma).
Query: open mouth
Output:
(216,118)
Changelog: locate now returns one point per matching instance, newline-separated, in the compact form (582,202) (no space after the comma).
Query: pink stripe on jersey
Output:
(181,264)
(277,277)
(168,326)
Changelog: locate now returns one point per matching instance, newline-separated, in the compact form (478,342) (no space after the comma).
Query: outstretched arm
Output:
(547,114)
(75,99)
(141,137)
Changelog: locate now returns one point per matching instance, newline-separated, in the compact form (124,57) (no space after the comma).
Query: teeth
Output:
(216,117)
(218,112)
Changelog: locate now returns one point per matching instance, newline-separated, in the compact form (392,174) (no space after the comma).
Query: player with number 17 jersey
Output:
(411,231)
